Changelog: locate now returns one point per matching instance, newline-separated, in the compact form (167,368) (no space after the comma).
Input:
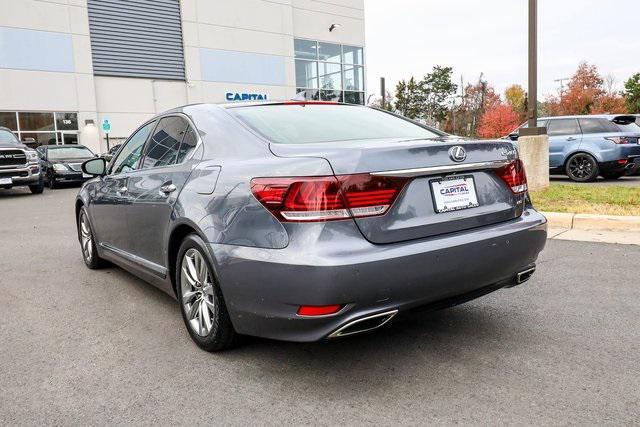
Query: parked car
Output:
(303,221)
(18,164)
(63,163)
(583,147)
(111,152)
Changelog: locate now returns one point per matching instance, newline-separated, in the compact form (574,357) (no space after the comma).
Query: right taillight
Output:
(514,176)
(326,198)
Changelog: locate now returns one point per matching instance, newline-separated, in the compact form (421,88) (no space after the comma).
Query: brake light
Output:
(318,310)
(514,176)
(327,198)
(619,139)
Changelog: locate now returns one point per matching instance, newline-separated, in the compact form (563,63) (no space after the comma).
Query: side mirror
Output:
(95,167)
(514,136)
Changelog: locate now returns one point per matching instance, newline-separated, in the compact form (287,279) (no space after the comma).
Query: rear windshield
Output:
(69,153)
(315,123)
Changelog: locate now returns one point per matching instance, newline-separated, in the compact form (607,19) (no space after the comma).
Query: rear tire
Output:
(201,303)
(582,167)
(37,188)
(88,242)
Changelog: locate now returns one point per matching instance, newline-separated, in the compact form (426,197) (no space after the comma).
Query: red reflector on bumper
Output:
(318,310)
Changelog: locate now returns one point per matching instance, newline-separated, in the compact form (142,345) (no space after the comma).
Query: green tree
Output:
(436,90)
(407,99)
(632,93)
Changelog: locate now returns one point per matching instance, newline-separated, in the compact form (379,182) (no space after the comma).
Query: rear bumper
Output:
(264,287)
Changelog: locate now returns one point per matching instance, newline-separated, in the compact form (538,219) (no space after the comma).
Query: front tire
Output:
(201,303)
(88,242)
(37,188)
(582,167)
(51,181)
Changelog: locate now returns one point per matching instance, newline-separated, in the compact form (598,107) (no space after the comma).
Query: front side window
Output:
(560,127)
(132,151)
(163,147)
(316,123)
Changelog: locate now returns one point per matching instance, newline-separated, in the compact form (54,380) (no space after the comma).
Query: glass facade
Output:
(329,72)
(42,128)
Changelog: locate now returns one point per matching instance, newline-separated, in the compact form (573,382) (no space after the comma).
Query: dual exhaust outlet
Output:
(375,321)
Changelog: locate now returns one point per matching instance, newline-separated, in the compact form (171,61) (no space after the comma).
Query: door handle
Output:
(165,190)
(571,138)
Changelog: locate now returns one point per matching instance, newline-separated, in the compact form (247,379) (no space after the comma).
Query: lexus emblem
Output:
(457,154)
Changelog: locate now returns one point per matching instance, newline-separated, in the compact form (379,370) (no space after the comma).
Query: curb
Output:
(573,221)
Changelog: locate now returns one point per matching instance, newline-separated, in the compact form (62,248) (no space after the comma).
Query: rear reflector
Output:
(514,176)
(327,198)
(318,310)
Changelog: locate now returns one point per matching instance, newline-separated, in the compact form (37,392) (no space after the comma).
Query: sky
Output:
(407,38)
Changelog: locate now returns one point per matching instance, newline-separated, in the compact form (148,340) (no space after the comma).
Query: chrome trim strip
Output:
(338,332)
(156,269)
(437,170)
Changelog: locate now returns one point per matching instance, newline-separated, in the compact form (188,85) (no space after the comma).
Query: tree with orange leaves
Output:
(498,120)
(586,94)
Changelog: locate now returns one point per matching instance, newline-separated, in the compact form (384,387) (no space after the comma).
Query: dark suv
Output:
(18,164)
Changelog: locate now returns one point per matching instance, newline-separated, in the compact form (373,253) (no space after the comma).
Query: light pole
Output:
(532,108)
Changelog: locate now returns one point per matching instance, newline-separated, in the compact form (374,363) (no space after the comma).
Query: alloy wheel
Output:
(197,292)
(86,239)
(581,167)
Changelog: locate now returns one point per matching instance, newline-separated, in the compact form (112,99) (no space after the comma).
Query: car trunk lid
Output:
(434,179)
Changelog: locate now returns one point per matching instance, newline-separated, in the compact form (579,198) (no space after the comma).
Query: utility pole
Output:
(532,108)
(561,81)
(383,92)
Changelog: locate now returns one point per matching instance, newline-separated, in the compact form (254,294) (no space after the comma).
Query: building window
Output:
(329,72)
(42,128)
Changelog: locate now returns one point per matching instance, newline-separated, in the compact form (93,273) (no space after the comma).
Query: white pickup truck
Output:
(19,165)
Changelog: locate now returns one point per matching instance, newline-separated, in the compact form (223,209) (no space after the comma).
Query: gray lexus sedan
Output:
(303,221)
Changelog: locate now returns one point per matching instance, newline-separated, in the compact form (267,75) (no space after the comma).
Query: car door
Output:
(564,137)
(154,188)
(108,210)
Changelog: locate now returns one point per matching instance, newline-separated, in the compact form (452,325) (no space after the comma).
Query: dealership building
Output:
(71,68)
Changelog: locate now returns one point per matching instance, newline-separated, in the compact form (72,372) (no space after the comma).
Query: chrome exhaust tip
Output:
(525,275)
(363,324)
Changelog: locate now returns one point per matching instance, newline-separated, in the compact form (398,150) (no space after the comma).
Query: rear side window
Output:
(631,127)
(563,127)
(316,123)
(162,149)
(593,125)
(188,144)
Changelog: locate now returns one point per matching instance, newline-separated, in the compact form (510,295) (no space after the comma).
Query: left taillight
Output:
(619,139)
(513,174)
(327,198)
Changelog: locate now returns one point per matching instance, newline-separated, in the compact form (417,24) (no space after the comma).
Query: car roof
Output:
(586,116)
(63,145)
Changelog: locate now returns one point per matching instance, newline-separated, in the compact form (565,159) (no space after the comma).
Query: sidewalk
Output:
(599,236)
(624,230)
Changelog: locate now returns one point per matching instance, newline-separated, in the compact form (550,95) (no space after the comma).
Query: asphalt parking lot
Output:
(625,181)
(102,347)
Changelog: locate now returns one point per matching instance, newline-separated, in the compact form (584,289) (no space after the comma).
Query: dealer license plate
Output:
(6,181)
(454,193)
